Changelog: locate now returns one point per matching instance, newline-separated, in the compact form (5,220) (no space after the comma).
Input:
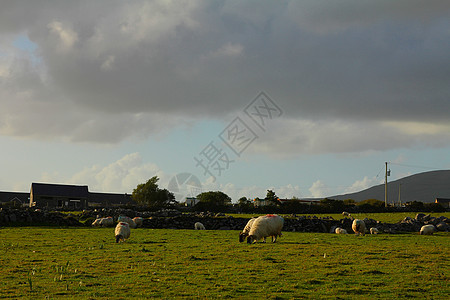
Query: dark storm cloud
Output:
(137,62)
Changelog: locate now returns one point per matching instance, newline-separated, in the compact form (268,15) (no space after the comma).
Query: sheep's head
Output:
(242,237)
(118,238)
(251,239)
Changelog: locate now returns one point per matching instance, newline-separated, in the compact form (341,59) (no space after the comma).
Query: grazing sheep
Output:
(138,221)
(96,223)
(127,220)
(264,226)
(340,230)
(359,227)
(243,235)
(427,229)
(122,231)
(199,226)
(346,214)
(103,222)
(374,230)
(107,222)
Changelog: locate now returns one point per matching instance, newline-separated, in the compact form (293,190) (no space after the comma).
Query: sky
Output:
(306,98)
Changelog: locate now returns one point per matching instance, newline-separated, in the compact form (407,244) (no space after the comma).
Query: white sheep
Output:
(359,227)
(127,220)
(427,229)
(374,230)
(138,221)
(199,226)
(264,226)
(243,235)
(107,222)
(346,214)
(340,230)
(122,231)
(96,223)
(104,222)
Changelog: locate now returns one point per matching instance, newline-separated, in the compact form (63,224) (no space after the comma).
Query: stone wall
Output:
(172,219)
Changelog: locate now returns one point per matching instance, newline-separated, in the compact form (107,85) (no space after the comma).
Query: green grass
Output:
(86,263)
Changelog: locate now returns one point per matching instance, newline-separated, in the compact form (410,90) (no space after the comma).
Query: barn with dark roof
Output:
(59,196)
(74,197)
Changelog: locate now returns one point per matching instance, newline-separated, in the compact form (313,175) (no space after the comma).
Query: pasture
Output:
(86,263)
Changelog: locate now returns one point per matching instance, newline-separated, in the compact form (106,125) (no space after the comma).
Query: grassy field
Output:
(86,263)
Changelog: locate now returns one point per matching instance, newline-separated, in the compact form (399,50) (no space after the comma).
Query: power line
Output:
(414,166)
(382,168)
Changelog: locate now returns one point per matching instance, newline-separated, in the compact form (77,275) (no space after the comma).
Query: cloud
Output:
(66,36)
(228,50)
(332,17)
(363,184)
(108,63)
(319,189)
(288,137)
(121,176)
(288,191)
(370,73)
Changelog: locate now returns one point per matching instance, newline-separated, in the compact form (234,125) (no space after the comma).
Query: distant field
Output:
(86,263)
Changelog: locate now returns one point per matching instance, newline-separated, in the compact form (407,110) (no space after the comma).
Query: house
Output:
(14,198)
(75,197)
(191,201)
(59,196)
(303,201)
(445,202)
(262,202)
(109,200)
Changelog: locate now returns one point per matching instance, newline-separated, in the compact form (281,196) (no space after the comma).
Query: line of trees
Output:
(152,197)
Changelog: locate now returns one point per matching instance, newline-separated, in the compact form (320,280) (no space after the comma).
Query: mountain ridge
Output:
(424,187)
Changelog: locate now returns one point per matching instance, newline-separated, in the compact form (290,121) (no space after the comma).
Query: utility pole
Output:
(386,174)
(399,198)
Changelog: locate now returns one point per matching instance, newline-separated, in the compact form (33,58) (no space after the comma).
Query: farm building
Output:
(445,202)
(73,197)
(109,200)
(261,202)
(191,201)
(14,198)
(303,201)
(59,195)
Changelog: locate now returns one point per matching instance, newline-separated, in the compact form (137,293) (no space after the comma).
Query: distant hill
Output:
(424,187)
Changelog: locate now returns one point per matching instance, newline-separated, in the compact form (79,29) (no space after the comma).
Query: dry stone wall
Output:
(173,219)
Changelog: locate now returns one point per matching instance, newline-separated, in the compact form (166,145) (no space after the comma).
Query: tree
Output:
(212,201)
(244,201)
(151,195)
(331,205)
(245,204)
(216,198)
(349,202)
(295,206)
(272,197)
(371,205)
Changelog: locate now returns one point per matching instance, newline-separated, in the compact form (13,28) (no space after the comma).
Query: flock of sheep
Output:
(359,227)
(257,228)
